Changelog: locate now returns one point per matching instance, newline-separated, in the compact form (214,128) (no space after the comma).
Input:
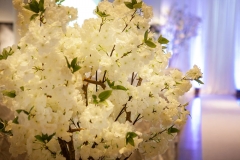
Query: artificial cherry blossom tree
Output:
(84,92)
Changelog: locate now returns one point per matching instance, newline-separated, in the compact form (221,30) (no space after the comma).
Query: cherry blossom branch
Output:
(104,76)
(133,78)
(128,157)
(164,88)
(75,130)
(121,112)
(128,116)
(158,134)
(101,25)
(85,88)
(64,149)
(96,80)
(71,149)
(125,54)
(133,15)
(139,81)
(140,45)
(124,110)
(188,79)
(137,119)
(100,83)
(112,50)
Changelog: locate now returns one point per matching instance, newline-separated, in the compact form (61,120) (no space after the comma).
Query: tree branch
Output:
(71,149)
(96,80)
(85,87)
(137,119)
(75,130)
(101,25)
(64,148)
(139,81)
(124,110)
(133,15)
(104,76)
(133,78)
(112,50)
(128,157)
(100,83)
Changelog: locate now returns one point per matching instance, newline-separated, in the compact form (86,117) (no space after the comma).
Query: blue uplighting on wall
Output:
(196,120)
(237,62)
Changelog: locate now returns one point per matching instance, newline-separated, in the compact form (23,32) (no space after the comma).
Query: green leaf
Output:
(21,110)
(104,95)
(127,53)
(150,44)
(76,68)
(74,62)
(130,141)
(95,101)
(10,94)
(50,137)
(39,138)
(164,47)
(134,2)
(46,137)
(119,87)
(68,64)
(162,40)
(104,14)
(59,2)
(27,7)
(34,6)
(98,12)
(172,130)
(22,88)
(34,16)
(129,138)
(94,96)
(177,83)
(6,53)
(41,5)
(31,109)
(199,81)
(129,5)
(146,36)
(15,120)
(3,125)
(110,84)
(101,14)
(10,52)
(138,5)
(73,65)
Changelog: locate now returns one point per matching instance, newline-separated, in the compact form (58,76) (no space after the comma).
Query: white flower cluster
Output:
(103,89)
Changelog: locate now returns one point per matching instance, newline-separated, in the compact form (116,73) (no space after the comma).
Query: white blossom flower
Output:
(194,73)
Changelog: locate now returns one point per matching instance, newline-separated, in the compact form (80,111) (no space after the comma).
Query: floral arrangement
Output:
(86,92)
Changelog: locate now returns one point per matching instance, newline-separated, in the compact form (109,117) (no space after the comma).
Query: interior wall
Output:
(8,14)
(6,11)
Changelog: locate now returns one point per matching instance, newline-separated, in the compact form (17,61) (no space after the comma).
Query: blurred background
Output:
(201,32)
